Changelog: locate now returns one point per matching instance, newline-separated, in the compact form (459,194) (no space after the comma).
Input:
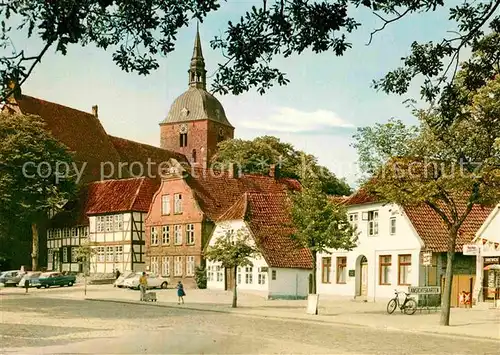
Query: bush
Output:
(201,277)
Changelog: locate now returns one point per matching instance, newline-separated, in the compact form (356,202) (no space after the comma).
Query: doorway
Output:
(362,276)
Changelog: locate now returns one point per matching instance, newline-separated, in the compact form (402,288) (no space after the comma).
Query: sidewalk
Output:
(477,322)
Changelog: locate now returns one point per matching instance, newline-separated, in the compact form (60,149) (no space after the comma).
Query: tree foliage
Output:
(320,225)
(140,32)
(449,168)
(257,156)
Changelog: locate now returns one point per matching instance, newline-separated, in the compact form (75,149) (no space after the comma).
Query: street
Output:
(32,324)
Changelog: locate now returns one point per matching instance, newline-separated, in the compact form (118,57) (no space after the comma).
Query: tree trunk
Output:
(446,298)
(235,295)
(314,255)
(34,252)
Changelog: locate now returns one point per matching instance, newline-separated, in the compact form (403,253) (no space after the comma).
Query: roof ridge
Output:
(55,103)
(125,179)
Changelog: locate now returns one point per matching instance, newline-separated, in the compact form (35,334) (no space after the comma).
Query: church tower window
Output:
(183,140)
(194,155)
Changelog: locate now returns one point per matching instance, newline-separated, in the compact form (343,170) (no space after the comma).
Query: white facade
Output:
(387,256)
(118,242)
(488,246)
(260,278)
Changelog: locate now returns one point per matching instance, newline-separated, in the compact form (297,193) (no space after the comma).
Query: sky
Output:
(327,99)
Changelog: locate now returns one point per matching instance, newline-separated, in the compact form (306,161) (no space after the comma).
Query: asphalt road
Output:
(30,325)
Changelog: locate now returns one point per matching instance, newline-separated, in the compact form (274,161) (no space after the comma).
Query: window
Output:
(165,204)
(110,254)
(74,255)
(178,266)
(190,234)
(261,280)
(100,224)
(165,266)
(100,254)
(177,234)
(189,265)
(165,235)
(248,275)
(432,273)
(273,275)
(341,269)
(384,269)
(119,253)
(154,235)
(119,222)
(154,265)
(393,225)
(210,274)
(373,223)
(326,268)
(404,269)
(177,203)
(220,275)
(65,255)
(109,223)
(353,219)
(183,140)
(74,236)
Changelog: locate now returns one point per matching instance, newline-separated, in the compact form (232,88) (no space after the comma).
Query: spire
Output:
(197,72)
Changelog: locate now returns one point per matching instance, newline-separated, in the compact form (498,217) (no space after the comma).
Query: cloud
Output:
(286,119)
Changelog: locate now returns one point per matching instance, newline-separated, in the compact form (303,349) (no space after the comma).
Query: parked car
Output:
(11,278)
(32,277)
(121,279)
(154,281)
(56,279)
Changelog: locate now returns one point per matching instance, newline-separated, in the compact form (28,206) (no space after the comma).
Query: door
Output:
(229,279)
(56,260)
(364,278)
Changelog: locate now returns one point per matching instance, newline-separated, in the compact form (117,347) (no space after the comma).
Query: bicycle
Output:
(409,305)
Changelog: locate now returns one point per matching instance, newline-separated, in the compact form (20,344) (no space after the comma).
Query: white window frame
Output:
(373,223)
(219,273)
(190,234)
(177,234)
(248,275)
(119,253)
(101,256)
(110,254)
(178,266)
(153,235)
(262,277)
(109,226)
(392,225)
(165,266)
(353,219)
(210,274)
(118,223)
(154,265)
(177,203)
(65,255)
(165,205)
(74,255)
(190,265)
(100,224)
(165,235)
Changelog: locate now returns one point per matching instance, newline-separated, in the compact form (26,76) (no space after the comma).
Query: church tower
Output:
(196,122)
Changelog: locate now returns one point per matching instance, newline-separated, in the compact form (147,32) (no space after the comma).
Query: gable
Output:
(490,230)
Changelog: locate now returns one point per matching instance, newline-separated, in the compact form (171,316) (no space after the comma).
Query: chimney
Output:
(274,171)
(234,171)
(95,111)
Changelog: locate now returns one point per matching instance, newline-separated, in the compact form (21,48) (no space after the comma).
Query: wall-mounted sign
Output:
(471,249)
(352,273)
(491,260)
(427,290)
(427,258)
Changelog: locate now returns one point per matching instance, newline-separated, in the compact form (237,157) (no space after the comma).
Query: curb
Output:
(297,319)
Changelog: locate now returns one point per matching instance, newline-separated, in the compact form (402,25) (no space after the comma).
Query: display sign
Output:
(471,249)
(491,260)
(424,290)
(427,258)
(352,273)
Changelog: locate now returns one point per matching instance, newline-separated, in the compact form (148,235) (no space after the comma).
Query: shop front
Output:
(491,278)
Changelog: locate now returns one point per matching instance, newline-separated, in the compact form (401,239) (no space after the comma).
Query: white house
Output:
(282,269)
(116,210)
(392,242)
(487,251)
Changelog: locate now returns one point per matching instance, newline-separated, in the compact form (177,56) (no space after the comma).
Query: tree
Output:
(36,174)
(84,254)
(257,156)
(320,224)
(139,32)
(233,250)
(450,169)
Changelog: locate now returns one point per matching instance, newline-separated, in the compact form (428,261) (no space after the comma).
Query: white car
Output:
(32,278)
(120,280)
(154,281)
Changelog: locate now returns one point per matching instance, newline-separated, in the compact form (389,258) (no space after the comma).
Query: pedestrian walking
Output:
(180,293)
(143,285)
(117,273)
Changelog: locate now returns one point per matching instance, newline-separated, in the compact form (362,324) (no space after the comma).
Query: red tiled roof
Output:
(217,192)
(338,200)
(433,232)
(269,219)
(80,131)
(125,195)
(360,197)
(132,152)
